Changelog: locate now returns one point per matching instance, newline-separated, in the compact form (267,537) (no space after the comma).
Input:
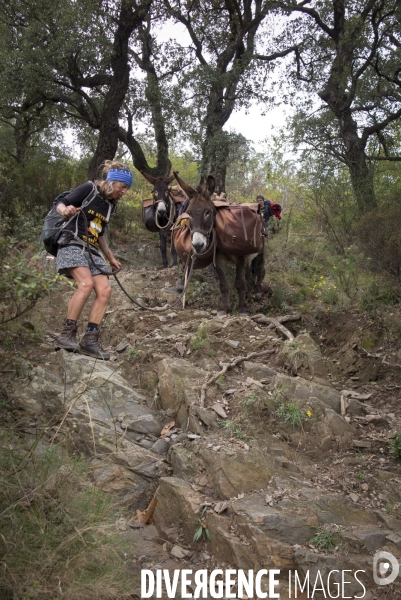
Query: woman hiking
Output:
(73,258)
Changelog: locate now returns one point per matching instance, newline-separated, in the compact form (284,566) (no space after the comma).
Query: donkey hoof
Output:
(243,313)
(222,313)
(258,296)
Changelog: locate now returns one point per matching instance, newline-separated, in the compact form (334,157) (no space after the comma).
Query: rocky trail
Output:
(189,426)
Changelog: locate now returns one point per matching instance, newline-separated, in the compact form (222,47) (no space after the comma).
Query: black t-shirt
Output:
(98,213)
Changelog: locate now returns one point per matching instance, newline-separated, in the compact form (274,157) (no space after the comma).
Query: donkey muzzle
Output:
(161,208)
(199,242)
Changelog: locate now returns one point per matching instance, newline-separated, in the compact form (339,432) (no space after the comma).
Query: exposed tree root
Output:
(224,369)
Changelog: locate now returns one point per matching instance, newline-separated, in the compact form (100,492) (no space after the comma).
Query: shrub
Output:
(58,531)
(23,281)
(346,270)
(200,339)
(379,295)
(291,414)
(395,446)
(380,237)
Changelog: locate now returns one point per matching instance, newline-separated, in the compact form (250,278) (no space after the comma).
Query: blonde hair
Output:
(106,187)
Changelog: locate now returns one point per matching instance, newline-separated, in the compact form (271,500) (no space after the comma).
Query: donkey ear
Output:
(190,192)
(210,184)
(170,179)
(149,177)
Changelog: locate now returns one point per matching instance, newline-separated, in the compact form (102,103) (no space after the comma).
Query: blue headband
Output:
(120,175)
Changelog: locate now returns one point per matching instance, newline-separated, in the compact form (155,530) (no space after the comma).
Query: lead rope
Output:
(188,267)
(170,217)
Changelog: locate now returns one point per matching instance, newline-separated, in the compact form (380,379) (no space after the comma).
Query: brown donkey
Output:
(202,213)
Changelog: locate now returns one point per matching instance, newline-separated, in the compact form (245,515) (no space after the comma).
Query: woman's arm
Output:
(72,203)
(66,211)
(115,264)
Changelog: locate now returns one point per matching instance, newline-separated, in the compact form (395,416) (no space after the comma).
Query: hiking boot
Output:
(89,345)
(68,338)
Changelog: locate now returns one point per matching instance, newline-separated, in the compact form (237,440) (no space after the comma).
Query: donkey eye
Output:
(207,213)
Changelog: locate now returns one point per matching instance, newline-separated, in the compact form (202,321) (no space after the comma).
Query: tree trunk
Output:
(361,174)
(109,119)
(215,152)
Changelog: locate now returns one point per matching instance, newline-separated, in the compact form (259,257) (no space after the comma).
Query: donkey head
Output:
(201,211)
(161,196)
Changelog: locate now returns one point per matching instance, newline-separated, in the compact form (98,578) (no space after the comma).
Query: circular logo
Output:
(385,568)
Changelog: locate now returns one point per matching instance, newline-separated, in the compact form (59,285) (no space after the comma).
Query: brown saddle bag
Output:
(239,228)
(148,215)
(182,241)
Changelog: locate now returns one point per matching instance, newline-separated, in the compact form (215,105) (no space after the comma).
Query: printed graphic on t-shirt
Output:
(95,227)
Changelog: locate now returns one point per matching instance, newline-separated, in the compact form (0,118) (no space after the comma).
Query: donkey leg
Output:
(260,274)
(240,283)
(174,252)
(163,248)
(224,285)
(250,271)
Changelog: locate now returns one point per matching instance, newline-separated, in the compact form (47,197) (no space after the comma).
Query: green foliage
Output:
(233,427)
(346,270)
(279,393)
(201,532)
(395,446)
(379,295)
(279,296)
(197,290)
(23,281)
(325,538)
(27,190)
(133,352)
(290,414)
(379,234)
(58,531)
(200,340)
(250,399)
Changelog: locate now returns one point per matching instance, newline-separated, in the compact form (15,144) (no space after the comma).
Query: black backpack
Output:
(54,223)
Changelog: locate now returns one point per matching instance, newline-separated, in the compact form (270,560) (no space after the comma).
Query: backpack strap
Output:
(85,202)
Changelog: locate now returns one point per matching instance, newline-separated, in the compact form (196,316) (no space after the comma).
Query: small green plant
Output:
(250,399)
(390,508)
(360,475)
(325,538)
(232,427)
(279,296)
(133,352)
(290,413)
(395,446)
(201,532)
(200,339)
(278,393)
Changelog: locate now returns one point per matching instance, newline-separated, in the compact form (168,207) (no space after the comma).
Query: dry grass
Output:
(58,536)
